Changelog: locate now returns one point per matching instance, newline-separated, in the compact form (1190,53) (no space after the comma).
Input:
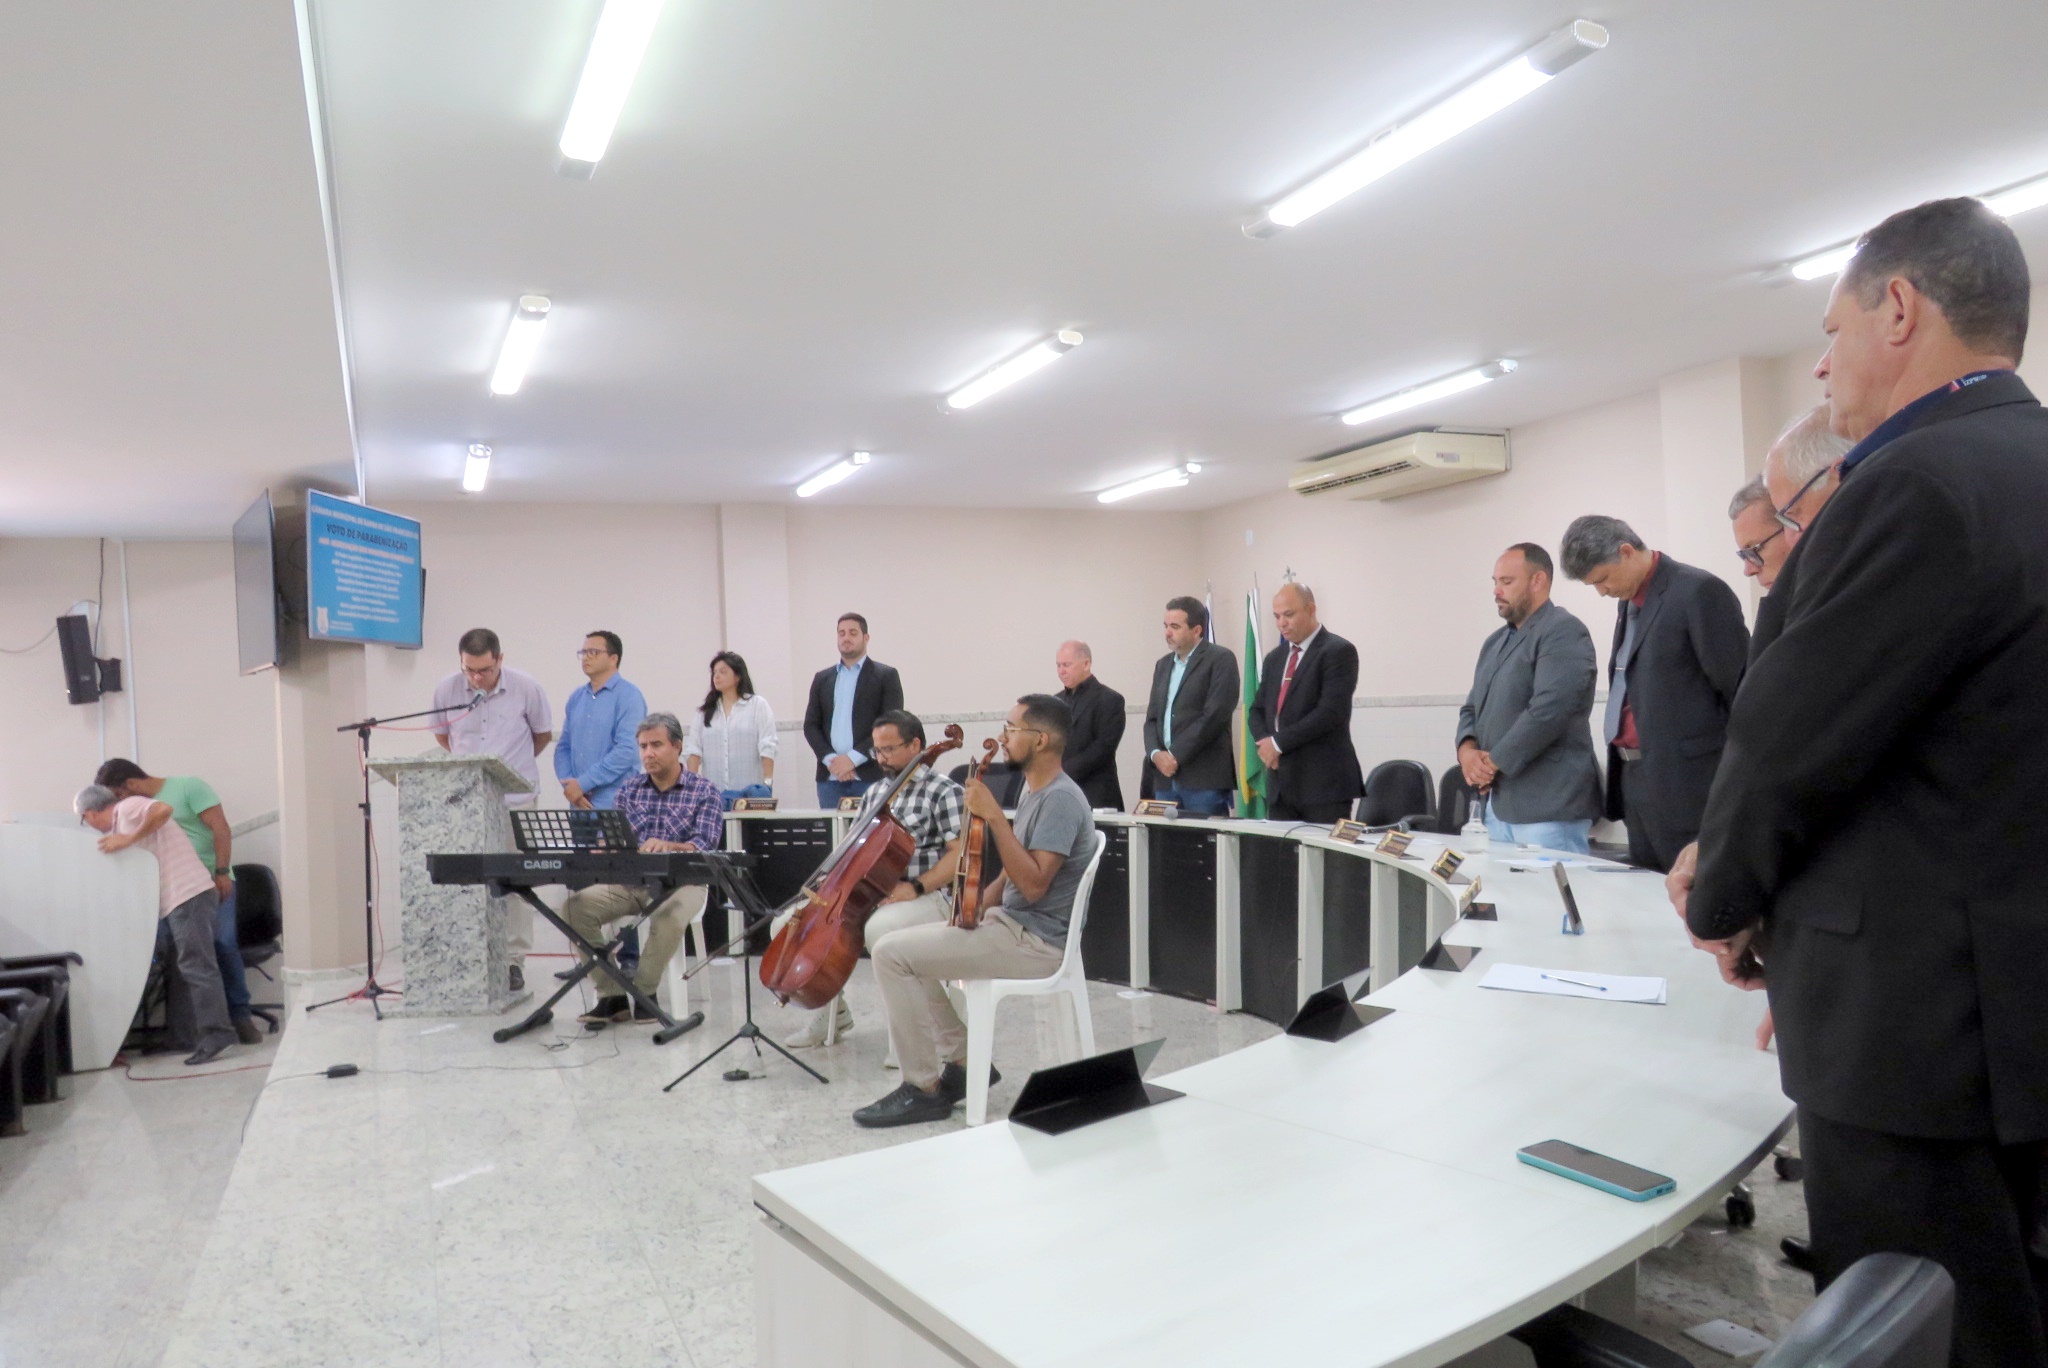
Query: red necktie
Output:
(1286,682)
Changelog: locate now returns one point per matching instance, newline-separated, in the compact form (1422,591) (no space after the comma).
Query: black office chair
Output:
(1004,779)
(24,1011)
(1395,791)
(259,928)
(1454,802)
(1887,1311)
(49,975)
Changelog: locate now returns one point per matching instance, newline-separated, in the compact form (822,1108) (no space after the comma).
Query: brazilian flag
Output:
(1251,783)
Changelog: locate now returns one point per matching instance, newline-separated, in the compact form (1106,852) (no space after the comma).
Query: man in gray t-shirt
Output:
(1023,929)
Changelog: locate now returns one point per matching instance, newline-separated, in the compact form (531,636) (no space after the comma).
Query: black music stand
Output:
(574,832)
(371,989)
(740,892)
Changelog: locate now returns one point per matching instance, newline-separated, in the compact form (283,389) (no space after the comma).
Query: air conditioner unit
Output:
(1404,465)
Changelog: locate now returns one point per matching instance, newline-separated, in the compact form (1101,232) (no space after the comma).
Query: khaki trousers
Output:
(911,967)
(590,910)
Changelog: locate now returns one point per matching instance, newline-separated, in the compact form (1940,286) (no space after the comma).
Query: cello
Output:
(968,878)
(811,958)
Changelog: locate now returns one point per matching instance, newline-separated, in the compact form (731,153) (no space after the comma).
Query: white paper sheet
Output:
(1523,978)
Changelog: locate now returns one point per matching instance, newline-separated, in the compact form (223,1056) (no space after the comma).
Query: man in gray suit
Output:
(1523,734)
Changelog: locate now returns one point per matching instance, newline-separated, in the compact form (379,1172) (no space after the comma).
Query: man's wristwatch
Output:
(917,884)
(219,870)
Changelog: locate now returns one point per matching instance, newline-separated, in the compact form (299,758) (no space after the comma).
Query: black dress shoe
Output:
(607,1010)
(565,974)
(206,1054)
(953,1081)
(518,979)
(1798,1253)
(907,1106)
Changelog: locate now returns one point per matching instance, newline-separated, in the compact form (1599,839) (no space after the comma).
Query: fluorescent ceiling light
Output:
(1165,479)
(522,339)
(1013,370)
(1402,143)
(615,52)
(476,469)
(1435,389)
(2006,204)
(831,475)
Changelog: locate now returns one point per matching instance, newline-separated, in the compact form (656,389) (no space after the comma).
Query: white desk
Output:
(1356,1203)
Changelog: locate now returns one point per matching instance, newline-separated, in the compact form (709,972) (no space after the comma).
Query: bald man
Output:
(1098,727)
(1301,718)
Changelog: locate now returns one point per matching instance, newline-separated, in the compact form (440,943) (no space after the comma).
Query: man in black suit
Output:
(845,701)
(1679,649)
(1098,727)
(1874,834)
(1187,721)
(1301,717)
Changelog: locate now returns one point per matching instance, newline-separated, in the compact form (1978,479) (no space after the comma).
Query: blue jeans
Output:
(830,791)
(750,791)
(227,951)
(1194,802)
(1568,836)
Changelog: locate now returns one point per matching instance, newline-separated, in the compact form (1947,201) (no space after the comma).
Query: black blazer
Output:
(1881,805)
(1317,761)
(1201,718)
(1098,729)
(1691,648)
(878,690)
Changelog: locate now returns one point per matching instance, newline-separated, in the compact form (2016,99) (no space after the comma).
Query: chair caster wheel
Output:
(1790,1167)
(1741,1211)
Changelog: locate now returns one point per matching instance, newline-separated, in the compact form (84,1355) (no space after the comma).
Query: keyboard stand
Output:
(586,963)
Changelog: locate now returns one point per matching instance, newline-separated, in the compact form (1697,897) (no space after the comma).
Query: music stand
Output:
(740,892)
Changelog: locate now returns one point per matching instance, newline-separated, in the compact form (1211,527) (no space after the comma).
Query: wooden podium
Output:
(456,962)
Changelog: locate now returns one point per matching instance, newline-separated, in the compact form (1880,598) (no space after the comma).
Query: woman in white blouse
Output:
(732,737)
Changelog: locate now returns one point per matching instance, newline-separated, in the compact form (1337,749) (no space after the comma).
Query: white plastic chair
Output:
(674,990)
(983,995)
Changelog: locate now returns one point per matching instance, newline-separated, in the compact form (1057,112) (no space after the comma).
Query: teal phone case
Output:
(1532,1161)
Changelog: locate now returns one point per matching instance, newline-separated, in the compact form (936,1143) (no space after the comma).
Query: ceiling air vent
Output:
(1404,465)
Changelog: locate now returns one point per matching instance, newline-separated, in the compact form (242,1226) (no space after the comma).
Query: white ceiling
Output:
(167,334)
(817,219)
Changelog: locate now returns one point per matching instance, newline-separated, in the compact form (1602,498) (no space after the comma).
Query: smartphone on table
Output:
(1595,1170)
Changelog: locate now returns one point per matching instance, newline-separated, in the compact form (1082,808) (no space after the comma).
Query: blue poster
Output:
(362,573)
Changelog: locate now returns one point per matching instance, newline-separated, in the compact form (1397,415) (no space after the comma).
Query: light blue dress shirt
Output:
(598,747)
(1180,669)
(843,684)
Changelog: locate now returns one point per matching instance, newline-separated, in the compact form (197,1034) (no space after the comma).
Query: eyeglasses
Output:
(1784,515)
(589,651)
(1753,554)
(1007,729)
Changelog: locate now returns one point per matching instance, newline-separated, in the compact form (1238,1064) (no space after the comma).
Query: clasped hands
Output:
(1477,766)
(841,768)
(1269,753)
(1738,962)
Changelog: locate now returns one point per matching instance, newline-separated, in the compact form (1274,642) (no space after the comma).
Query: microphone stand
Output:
(737,887)
(371,989)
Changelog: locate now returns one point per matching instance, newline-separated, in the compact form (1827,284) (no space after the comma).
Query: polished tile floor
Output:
(462,1202)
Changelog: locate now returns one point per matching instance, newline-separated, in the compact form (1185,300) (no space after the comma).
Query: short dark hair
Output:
(1960,255)
(661,722)
(1197,615)
(737,663)
(854,617)
(612,644)
(115,773)
(1594,540)
(479,641)
(1538,558)
(908,728)
(1050,716)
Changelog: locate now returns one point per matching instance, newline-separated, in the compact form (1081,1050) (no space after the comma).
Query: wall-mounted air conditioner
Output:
(1404,465)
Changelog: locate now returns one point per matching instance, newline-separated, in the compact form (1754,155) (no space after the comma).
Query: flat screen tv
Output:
(256,606)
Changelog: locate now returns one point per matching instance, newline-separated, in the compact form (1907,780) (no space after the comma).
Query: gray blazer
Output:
(1530,705)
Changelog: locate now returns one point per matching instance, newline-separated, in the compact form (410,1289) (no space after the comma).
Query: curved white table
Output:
(58,893)
(1357,1203)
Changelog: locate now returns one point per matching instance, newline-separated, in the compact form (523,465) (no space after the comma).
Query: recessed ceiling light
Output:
(476,469)
(615,52)
(2007,204)
(1012,370)
(522,339)
(1165,479)
(832,475)
(1401,143)
(1435,389)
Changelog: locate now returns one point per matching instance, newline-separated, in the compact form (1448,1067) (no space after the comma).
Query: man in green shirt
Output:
(195,807)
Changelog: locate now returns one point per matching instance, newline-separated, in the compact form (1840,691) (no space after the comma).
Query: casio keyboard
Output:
(579,849)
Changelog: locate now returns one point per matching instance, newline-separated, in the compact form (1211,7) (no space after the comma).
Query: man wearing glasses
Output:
(597,751)
(1800,470)
(929,806)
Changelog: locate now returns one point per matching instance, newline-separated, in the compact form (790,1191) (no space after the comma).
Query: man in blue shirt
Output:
(596,751)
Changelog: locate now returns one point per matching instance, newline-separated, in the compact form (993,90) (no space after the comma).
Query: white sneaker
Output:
(812,1033)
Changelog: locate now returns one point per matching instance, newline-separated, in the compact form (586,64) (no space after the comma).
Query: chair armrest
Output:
(20,1004)
(41,961)
(1567,1337)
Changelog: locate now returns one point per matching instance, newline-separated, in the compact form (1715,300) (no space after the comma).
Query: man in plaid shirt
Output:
(670,809)
(932,809)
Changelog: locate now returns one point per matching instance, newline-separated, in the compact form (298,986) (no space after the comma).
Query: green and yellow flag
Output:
(1251,782)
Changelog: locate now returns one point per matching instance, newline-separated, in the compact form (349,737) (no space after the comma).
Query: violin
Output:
(968,878)
(813,955)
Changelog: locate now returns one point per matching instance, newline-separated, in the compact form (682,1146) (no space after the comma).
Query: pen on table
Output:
(1579,983)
